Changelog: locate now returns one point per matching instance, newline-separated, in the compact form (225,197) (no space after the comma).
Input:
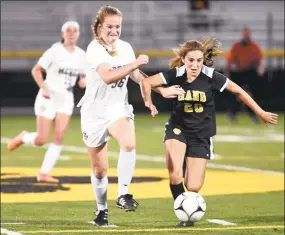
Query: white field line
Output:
(241,133)
(106,226)
(64,158)
(242,138)
(249,139)
(222,222)
(9,232)
(14,223)
(148,158)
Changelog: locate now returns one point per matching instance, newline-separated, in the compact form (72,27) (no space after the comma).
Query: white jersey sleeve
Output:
(96,55)
(47,58)
(131,53)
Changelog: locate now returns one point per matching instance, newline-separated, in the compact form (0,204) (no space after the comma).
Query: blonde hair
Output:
(210,48)
(101,15)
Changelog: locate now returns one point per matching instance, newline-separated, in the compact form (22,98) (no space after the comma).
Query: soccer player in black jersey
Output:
(192,123)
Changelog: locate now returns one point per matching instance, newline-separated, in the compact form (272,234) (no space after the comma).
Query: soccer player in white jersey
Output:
(105,109)
(63,63)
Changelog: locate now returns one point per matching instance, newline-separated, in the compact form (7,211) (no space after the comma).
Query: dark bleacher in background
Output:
(147,25)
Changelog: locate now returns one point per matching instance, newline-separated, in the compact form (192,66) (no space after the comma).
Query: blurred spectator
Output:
(246,59)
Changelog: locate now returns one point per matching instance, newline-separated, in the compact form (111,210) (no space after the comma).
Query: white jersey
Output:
(103,100)
(62,67)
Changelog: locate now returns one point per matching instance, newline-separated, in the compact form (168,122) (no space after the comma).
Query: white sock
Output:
(100,187)
(29,138)
(51,157)
(126,166)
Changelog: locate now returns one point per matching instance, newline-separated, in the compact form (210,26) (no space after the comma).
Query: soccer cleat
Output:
(102,218)
(46,178)
(127,203)
(16,142)
(183,224)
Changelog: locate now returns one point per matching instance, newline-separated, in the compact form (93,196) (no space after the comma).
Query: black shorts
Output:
(195,147)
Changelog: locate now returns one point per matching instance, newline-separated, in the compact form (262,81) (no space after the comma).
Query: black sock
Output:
(176,190)
(184,168)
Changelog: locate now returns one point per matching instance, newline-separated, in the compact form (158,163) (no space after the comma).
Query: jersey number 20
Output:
(189,108)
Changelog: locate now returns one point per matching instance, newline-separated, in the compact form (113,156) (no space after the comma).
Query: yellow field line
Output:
(95,230)
(150,53)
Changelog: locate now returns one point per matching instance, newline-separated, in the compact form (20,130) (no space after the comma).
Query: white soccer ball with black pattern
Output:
(190,206)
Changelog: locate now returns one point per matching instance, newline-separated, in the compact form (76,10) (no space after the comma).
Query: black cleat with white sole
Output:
(127,203)
(102,218)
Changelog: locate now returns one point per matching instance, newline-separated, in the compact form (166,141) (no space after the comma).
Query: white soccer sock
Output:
(29,138)
(51,157)
(126,166)
(100,187)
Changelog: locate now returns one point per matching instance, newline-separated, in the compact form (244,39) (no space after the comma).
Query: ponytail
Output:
(176,61)
(211,50)
(94,27)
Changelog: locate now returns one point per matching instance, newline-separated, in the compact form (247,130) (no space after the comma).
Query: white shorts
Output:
(96,133)
(58,103)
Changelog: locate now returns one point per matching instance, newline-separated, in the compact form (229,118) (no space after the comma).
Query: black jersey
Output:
(194,111)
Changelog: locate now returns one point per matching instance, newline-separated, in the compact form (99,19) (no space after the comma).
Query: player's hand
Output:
(172,92)
(82,82)
(152,108)
(45,93)
(141,60)
(269,118)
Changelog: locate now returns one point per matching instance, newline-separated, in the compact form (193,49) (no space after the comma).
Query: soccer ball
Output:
(189,206)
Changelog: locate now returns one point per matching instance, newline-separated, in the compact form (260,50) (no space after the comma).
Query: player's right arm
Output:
(37,71)
(97,56)
(110,75)
(148,84)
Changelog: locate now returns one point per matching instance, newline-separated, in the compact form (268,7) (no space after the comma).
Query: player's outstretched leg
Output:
(16,141)
(101,217)
(127,203)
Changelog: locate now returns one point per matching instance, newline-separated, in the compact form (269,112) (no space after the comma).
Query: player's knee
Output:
(128,147)
(41,140)
(58,137)
(194,186)
(175,176)
(99,171)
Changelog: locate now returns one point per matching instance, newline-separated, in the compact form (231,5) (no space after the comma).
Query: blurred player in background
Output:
(63,63)
(105,109)
(246,59)
(192,124)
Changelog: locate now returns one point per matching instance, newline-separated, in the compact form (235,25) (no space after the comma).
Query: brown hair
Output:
(209,47)
(102,13)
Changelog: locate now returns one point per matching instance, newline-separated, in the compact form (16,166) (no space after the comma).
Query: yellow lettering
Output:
(188,108)
(198,108)
(188,95)
(203,96)
(181,97)
(195,95)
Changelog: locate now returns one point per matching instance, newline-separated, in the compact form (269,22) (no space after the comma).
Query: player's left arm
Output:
(167,92)
(266,117)
(137,76)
